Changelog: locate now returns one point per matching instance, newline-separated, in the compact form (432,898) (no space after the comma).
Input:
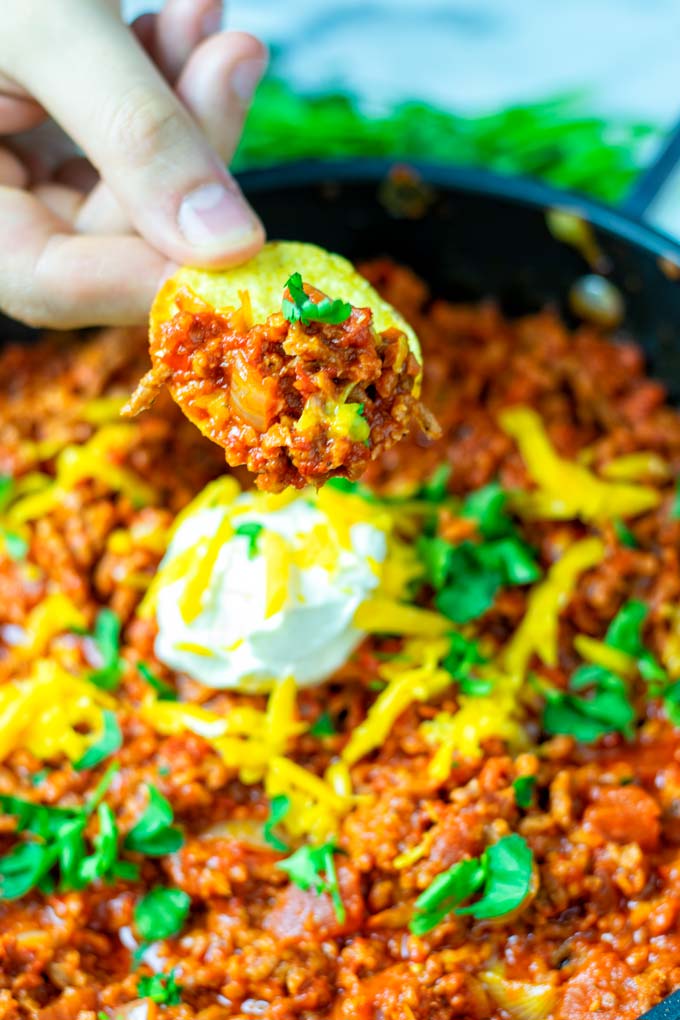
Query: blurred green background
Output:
(558,139)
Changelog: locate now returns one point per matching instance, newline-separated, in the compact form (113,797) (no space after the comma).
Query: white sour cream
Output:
(277,605)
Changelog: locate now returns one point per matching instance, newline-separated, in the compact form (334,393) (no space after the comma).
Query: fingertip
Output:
(219,226)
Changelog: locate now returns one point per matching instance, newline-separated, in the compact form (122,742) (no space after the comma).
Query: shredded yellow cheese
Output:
(50,713)
(416,677)
(54,615)
(567,489)
(643,466)
(95,459)
(601,654)
(537,633)
(386,616)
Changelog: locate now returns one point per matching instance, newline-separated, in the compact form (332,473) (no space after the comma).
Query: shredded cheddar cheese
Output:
(567,489)
(537,633)
(50,713)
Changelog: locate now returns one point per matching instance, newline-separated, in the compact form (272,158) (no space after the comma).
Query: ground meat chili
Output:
(597,934)
(296,402)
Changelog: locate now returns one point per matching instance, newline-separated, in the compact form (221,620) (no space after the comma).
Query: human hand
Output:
(87,243)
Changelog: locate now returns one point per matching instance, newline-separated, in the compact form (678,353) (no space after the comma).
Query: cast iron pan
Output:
(473,234)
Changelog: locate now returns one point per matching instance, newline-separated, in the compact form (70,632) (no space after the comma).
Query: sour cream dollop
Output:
(256,588)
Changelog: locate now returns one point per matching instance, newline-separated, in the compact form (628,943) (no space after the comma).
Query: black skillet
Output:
(473,234)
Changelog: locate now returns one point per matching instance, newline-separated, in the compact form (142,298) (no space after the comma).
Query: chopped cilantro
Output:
(39,777)
(109,742)
(586,717)
(675,504)
(15,546)
(625,633)
(154,834)
(106,638)
(278,809)
(503,875)
(250,530)
(300,307)
(323,726)
(467,576)
(161,913)
(313,867)
(435,489)
(6,491)
(523,788)
(160,988)
(164,691)
(57,854)
(624,535)
(462,658)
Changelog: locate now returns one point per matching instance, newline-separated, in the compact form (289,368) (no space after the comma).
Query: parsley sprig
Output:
(154,834)
(595,703)
(160,988)
(106,638)
(300,307)
(502,874)
(313,867)
(278,809)
(467,576)
(56,855)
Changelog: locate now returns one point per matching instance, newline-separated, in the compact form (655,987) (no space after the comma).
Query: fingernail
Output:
(246,77)
(211,21)
(212,215)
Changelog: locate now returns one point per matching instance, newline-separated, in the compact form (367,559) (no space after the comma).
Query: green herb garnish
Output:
(625,633)
(461,661)
(154,834)
(250,530)
(300,307)
(109,742)
(523,788)
(57,855)
(6,491)
(313,867)
(467,576)
(164,691)
(161,913)
(323,726)
(106,637)
(435,489)
(160,988)
(588,716)
(278,809)
(39,777)
(503,874)
(15,546)
(624,534)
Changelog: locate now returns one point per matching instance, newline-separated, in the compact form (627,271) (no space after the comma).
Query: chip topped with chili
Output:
(291,362)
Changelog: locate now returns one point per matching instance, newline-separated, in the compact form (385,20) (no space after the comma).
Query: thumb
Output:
(112,100)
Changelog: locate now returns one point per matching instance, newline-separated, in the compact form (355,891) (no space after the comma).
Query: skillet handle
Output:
(655,196)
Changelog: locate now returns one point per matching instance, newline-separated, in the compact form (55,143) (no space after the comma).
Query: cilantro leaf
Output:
(675,504)
(523,788)
(435,489)
(463,656)
(106,638)
(508,869)
(300,307)
(109,742)
(625,633)
(445,892)
(278,809)
(588,717)
(313,867)
(470,587)
(58,845)
(250,530)
(624,535)
(16,547)
(160,988)
(161,913)
(165,691)
(154,834)
(503,873)
(467,576)
(6,491)
(323,726)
